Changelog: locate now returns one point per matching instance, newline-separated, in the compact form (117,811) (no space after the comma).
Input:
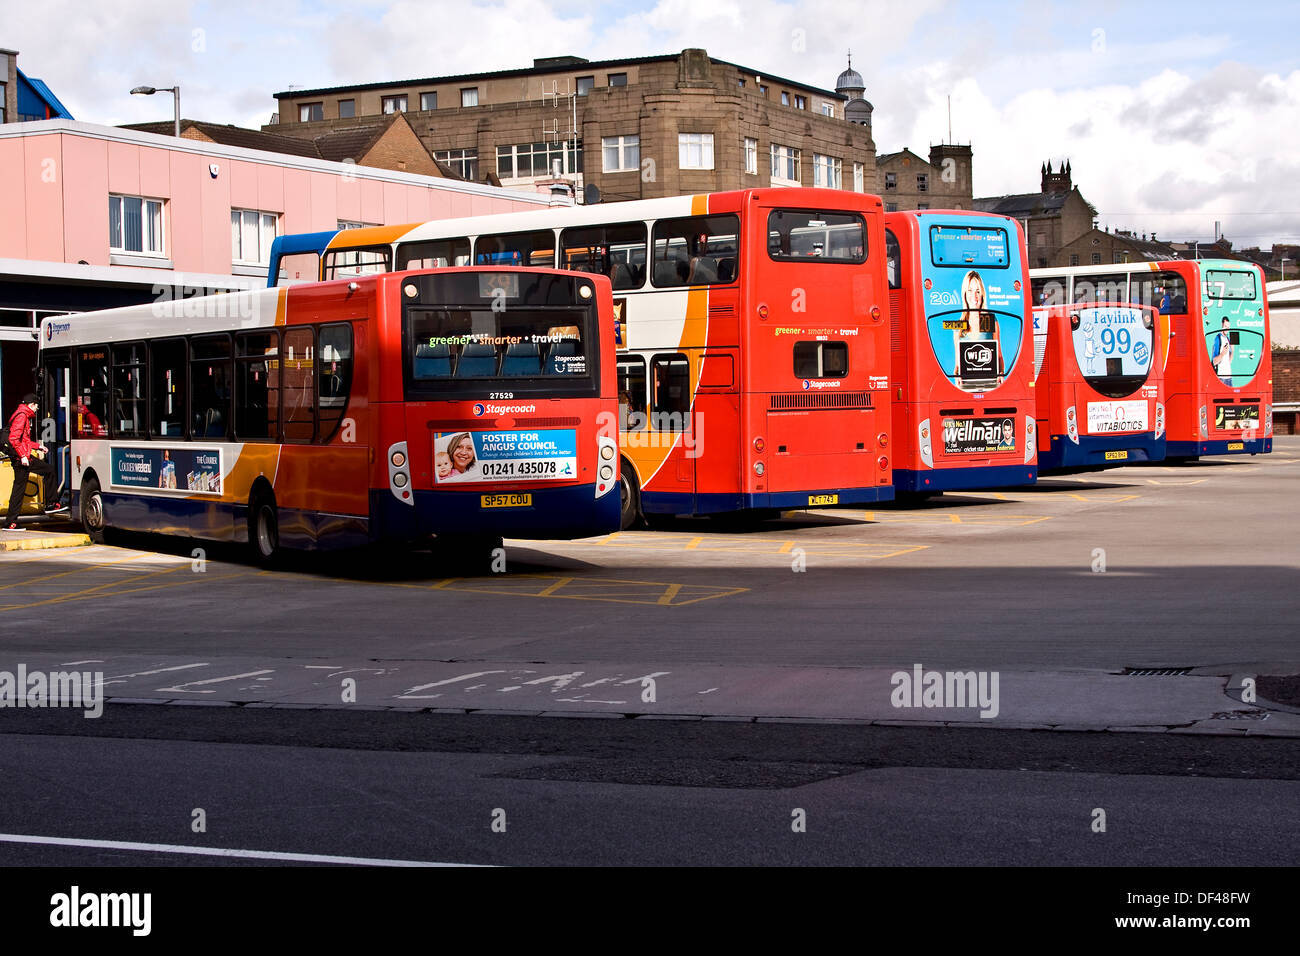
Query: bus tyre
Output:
(264,531)
(92,511)
(629,496)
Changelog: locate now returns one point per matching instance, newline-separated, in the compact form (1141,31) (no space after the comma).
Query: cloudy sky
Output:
(1174,115)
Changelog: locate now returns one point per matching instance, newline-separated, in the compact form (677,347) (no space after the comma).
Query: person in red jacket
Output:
(23,452)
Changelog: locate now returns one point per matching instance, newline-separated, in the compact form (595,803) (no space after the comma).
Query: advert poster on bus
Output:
(1109,418)
(973,290)
(505,455)
(972,436)
(1111,341)
(1233,417)
(1233,324)
(195,470)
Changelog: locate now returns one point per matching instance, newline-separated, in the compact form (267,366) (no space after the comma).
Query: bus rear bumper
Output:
(1238,446)
(572,511)
(1091,451)
(963,479)
(674,503)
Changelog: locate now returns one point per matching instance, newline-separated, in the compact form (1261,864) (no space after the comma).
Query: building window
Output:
(762,88)
(891,180)
(891,207)
(2,100)
(741,83)
(800,103)
(828,109)
(429,101)
(618,79)
(395,104)
(1096,258)
(251,235)
(785,97)
(695,150)
(527,160)
(135,225)
(785,164)
(751,156)
(922,182)
(464,161)
(347,109)
(828,171)
(1074,259)
(859,178)
(586,84)
(311,112)
(469,96)
(621,153)
(923,205)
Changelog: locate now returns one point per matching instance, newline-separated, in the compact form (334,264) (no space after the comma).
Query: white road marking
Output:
(216,851)
(215,680)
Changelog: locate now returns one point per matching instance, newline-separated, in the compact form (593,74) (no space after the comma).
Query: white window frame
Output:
(468,96)
(458,159)
(262,221)
(699,143)
(786,159)
(304,112)
(116,243)
(828,171)
(751,156)
(828,109)
(396,103)
(859,178)
(625,150)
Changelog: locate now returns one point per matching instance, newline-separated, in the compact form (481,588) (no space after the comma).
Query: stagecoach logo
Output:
(53,327)
(480,409)
(809,383)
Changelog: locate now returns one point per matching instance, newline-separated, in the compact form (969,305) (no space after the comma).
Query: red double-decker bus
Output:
(961,348)
(1219,370)
(1101,398)
(462,405)
(753,349)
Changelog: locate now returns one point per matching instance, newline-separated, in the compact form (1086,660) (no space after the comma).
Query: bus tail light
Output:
(927,455)
(1268,419)
(883,462)
(759,469)
(399,473)
(883,439)
(1205,429)
(606,451)
(1072,424)
(1031,444)
(1160,419)
(762,312)
(875,313)
(759,445)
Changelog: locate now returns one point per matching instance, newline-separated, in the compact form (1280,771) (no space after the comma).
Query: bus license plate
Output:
(1236,446)
(823,500)
(507,501)
(1116,455)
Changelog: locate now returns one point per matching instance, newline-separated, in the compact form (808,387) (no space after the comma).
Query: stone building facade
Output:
(1053,217)
(906,181)
(643,128)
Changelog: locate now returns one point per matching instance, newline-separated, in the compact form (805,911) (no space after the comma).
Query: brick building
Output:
(1052,218)
(906,181)
(634,128)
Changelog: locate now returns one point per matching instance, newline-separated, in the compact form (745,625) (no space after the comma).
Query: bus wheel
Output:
(92,511)
(264,530)
(629,495)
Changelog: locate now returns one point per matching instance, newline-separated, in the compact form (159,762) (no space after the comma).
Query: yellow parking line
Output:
(90,592)
(693,543)
(555,587)
(77,570)
(669,593)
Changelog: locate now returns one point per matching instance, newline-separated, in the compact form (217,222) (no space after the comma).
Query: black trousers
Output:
(41,466)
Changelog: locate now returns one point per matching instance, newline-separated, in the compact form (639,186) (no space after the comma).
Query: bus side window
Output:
(129,412)
(335,376)
(92,393)
(210,398)
(531,249)
(297,374)
(690,251)
(893,260)
(435,254)
(615,251)
(167,366)
(257,386)
(631,392)
(670,387)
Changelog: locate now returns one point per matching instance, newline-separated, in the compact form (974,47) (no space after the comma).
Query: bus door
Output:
(56,387)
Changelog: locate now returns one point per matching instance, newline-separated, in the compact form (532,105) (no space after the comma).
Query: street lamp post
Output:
(175,91)
(1284,262)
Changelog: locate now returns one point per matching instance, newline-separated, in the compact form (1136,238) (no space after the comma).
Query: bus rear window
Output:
(821,360)
(1222,284)
(435,254)
(795,235)
(968,246)
(476,346)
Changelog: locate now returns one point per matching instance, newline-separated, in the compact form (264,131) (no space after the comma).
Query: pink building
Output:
(97,216)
